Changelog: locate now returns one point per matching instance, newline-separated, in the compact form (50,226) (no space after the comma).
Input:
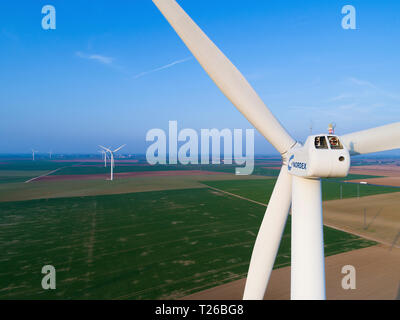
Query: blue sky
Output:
(112,70)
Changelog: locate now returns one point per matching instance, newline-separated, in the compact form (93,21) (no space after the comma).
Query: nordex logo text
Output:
(295,164)
(210,139)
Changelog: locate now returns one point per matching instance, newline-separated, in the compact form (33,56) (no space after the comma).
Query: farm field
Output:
(154,232)
(87,169)
(80,187)
(13,176)
(260,190)
(388,175)
(375,217)
(49,179)
(29,165)
(377,278)
(112,247)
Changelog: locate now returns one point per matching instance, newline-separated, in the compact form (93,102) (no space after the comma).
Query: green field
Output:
(164,244)
(13,176)
(37,165)
(26,169)
(352,176)
(100,169)
(260,190)
(90,168)
(111,240)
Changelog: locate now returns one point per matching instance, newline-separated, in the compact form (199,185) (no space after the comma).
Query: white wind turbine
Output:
(298,184)
(104,153)
(112,158)
(33,154)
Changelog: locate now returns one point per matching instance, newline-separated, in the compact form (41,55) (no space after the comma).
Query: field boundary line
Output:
(325,224)
(237,196)
(361,235)
(43,175)
(46,174)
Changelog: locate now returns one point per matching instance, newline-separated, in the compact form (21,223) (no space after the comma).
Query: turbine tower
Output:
(33,154)
(112,158)
(299,181)
(104,153)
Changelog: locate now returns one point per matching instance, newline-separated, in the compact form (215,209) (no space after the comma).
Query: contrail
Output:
(162,68)
(97,57)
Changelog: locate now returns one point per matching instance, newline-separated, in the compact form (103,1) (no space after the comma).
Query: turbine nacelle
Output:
(322,156)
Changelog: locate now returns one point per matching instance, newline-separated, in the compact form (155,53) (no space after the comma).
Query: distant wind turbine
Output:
(112,158)
(104,153)
(50,153)
(33,154)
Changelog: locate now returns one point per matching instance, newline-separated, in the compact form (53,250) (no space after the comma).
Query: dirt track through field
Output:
(237,196)
(43,175)
(377,277)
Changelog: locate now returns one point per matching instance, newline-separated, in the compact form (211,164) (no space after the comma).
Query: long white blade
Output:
(307,265)
(225,75)
(269,237)
(119,148)
(106,149)
(373,140)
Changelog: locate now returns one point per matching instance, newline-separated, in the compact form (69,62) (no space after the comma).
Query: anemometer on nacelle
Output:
(321,156)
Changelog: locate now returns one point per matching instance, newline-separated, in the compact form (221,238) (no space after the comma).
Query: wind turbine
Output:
(50,153)
(104,153)
(112,158)
(299,181)
(33,154)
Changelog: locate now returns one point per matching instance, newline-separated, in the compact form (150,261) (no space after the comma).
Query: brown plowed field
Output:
(95,160)
(377,277)
(386,181)
(380,170)
(390,173)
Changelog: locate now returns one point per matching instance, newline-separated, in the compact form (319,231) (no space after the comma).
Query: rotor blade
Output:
(269,237)
(119,148)
(107,149)
(373,140)
(225,75)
